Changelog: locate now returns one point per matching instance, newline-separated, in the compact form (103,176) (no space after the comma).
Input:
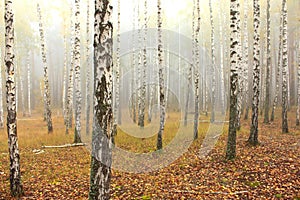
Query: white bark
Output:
(103,83)
(253,138)
(284,69)
(88,71)
(46,79)
(14,155)
(268,74)
(143,72)
(117,73)
(213,64)
(235,58)
(133,72)
(22,91)
(161,77)
(222,87)
(77,80)
(246,59)
(69,112)
(65,82)
(29,85)
(196,68)
(279,66)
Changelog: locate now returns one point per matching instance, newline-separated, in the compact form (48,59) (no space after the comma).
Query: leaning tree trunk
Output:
(284,69)
(196,70)
(102,138)
(88,71)
(235,58)
(77,80)
(298,88)
(161,77)
(213,65)
(1,98)
(268,74)
(253,138)
(16,188)
(46,79)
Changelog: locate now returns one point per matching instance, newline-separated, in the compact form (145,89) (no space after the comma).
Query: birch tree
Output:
(246,59)
(77,80)
(88,71)
(222,86)
(213,57)
(196,71)
(28,84)
(161,77)
(117,73)
(133,73)
(47,98)
(253,138)
(16,187)
(65,82)
(268,74)
(278,70)
(102,138)
(234,61)
(69,112)
(284,69)
(144,67)
(190,71)
(21,90)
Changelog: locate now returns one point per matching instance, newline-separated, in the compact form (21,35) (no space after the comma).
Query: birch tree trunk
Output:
(77,80)
(1,98)
(213,57)
(284,69)
(268,74)
(65,82)
(279,66)
(88,71)
(117,73)
(196,71)
(29,85)
(246,59)
(103,83)
(144,67)
(133,74)
(190,71)
(71,78)
(16,187)
(222,86)
(46,79)
(253,138)
(22,91)
(234,60)
(161,77)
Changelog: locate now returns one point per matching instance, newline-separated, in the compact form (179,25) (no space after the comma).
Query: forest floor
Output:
(268,171)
